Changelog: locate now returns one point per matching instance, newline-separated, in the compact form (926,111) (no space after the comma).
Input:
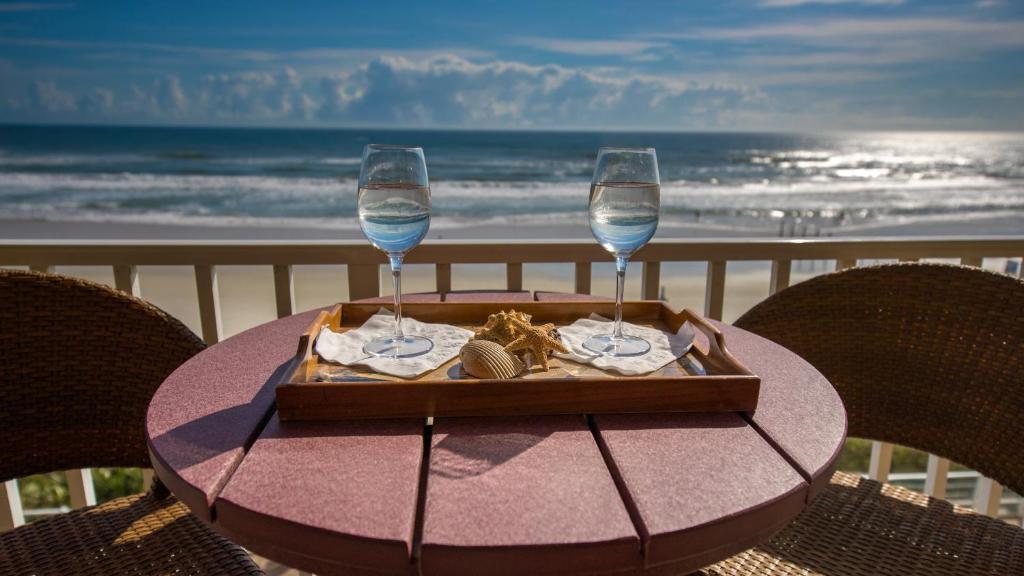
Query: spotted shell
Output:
(486,359)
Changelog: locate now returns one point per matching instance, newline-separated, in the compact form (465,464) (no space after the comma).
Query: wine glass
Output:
(394,215)
(625,196)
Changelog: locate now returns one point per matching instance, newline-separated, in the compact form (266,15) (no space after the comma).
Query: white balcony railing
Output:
(363,276)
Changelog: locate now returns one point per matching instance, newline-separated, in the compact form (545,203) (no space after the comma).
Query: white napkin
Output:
(347,347)
(665,346)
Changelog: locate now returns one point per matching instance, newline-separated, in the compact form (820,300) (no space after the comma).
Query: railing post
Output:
(650,285)
(147,479)
(11,515)
(582,285)
(881,461)
(936,477)
(714,292)
(363,281)
(514,276)
(209,303)
(284,290)
(987,496)
(126,279)
(975,261)
(443,278)
(780,275)
(81,491)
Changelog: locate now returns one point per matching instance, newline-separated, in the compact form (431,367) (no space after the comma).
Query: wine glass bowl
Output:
(625,199)
(394,215)
(623,215)
(394,219)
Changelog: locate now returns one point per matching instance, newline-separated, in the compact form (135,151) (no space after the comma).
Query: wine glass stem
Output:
(396,277)
(620,283)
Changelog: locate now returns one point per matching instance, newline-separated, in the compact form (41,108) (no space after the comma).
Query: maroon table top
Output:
(643,493)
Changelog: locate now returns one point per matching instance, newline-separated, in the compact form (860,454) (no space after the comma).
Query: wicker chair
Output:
(78,365)
(924,355)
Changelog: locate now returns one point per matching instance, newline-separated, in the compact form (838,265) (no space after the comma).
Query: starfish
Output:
(499,327)
(537,340)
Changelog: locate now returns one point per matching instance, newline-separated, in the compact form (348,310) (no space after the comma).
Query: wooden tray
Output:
(706,379)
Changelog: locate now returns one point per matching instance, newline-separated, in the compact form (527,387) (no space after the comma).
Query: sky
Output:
(755,65)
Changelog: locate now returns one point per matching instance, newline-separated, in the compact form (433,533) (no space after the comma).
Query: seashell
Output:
(486,359)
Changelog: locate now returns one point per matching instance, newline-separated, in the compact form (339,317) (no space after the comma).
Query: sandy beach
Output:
(247,295)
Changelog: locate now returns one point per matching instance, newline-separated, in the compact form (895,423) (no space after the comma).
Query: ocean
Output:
(748,183)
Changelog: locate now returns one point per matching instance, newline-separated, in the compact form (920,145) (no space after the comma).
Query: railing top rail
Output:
(266,252)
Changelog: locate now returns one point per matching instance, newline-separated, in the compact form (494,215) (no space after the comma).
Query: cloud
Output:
(828,76)
(364,54)
(141,51)
(837,60)
(33,6)
(850,44)
(46,96)
(865,31)
(255,95)
(793,3)
(48,100)
(587,47)
(163,98)
(168,95)
(453,91)
(989,4)
(96,102)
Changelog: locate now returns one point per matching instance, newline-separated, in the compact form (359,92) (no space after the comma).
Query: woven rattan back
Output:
(925,355)
(79,363)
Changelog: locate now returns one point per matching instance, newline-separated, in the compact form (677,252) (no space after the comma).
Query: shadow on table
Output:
(467,447)
(210,436)
(312,429)
(201,439)
(462,455)
(204,438)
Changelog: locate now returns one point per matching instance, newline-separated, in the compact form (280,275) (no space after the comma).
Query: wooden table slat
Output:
(798,411)
(205,414)
(522,496)
(336,494)
(699,482)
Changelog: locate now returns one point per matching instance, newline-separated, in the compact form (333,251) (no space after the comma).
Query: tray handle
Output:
(716,340)
(304,355)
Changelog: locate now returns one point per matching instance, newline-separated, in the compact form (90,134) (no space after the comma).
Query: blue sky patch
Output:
(793,65)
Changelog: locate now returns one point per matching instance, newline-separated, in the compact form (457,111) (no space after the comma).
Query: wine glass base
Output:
(608,345)
(405,347)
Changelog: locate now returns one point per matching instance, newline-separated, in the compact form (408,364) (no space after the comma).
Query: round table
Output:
(641,493)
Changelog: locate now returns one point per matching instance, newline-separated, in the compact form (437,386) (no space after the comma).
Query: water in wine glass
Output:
(394,218)
(624,215)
